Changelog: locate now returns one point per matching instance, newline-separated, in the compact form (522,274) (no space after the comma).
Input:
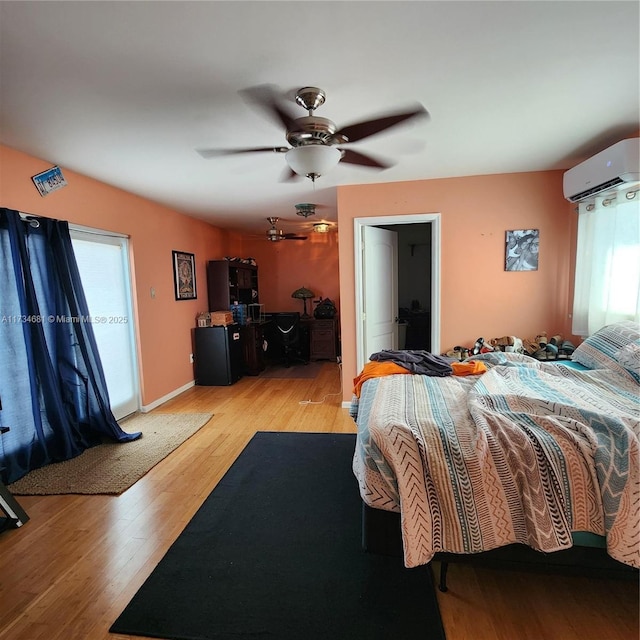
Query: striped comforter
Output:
(527,452)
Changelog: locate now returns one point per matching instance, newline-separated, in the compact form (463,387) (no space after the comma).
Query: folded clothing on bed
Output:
(375,370)
(468,368)
(390,362)
(417,361)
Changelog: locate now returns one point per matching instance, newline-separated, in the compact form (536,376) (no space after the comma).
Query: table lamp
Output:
(303,294)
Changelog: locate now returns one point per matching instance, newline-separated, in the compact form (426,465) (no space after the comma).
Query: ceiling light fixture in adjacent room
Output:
(321,227)
(305,209)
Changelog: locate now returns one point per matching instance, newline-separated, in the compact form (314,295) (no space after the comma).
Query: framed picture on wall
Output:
(184,275)
(521,253)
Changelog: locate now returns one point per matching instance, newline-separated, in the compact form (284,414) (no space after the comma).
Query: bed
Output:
(528,453)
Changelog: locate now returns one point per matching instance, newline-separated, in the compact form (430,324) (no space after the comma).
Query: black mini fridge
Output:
(219,357)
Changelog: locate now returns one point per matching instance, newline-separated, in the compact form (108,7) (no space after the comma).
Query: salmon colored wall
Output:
(288,265)
(164,324)
(478,297)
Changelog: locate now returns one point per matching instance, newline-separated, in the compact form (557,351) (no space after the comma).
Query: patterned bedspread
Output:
(527,452)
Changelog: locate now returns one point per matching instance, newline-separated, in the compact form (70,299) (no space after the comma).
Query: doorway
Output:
(103,262)
(416,287)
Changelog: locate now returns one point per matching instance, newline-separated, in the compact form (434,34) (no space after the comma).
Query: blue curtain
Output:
(53,392)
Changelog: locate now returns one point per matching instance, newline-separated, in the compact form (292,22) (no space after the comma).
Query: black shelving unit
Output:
(231,282)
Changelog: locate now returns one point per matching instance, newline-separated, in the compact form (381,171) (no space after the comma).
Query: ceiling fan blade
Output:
(215,153)
(293,236)
(267,98)
(361,130)
(355,157)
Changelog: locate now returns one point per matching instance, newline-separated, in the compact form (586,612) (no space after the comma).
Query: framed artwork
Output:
(184,275)
(521,253)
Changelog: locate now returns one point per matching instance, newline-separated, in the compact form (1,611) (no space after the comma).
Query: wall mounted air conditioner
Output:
(608,170)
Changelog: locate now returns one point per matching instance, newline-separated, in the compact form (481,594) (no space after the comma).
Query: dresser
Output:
(323,339)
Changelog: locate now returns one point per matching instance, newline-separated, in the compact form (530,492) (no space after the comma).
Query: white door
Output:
(380,290)
(103,262)
(376,263)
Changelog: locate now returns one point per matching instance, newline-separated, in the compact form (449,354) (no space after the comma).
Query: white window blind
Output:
(103,262)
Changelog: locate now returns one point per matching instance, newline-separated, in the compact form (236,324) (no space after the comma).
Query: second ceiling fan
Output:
(275,235)
(317,144)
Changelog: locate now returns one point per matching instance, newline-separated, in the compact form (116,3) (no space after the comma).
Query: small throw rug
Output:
(275,552)
(112,467)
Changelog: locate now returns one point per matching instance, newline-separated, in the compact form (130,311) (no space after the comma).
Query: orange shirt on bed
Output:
(375,370)
(469,368)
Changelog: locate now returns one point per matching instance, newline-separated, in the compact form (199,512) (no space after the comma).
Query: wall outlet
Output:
(191,358)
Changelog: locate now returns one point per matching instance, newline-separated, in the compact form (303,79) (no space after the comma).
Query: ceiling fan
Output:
(275,235)
(316,142)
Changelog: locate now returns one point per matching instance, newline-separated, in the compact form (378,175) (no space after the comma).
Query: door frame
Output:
(359,248)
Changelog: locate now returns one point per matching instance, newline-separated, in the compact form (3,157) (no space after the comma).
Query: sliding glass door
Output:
(103,261)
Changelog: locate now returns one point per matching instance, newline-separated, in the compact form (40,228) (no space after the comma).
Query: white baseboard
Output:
(156,403)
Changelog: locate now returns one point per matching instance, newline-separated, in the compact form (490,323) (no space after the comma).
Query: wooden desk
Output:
(253,336)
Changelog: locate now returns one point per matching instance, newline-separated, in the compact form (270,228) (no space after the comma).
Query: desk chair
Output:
(287,332)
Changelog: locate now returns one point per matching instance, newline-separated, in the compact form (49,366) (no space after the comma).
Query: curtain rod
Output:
(33,220)
(629,195)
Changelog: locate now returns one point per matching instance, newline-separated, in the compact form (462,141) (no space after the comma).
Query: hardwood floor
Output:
(70,571)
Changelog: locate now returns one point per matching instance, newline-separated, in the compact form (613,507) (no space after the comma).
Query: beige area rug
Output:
(310,370)
(113,467)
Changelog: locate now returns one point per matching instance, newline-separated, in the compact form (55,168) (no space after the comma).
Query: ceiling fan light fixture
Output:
(312,160)
(305,209)
(275,235)
(321,227)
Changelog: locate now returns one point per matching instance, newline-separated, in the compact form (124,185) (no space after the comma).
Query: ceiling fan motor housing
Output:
(310,98)
(313,130)
(275,235)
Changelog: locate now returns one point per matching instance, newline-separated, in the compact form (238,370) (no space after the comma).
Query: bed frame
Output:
(381,534)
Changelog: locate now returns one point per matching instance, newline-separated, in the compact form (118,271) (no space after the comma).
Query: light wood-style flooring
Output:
(70,571)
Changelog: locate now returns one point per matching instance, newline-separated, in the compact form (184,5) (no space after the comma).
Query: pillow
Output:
(606,348)
(629,359)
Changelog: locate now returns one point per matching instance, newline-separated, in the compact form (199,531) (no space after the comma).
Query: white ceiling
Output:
(125,92)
